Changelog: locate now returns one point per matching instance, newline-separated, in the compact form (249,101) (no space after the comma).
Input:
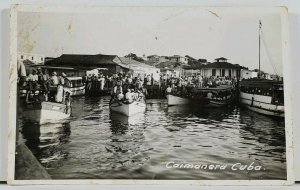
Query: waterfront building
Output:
(152,59)
(156,59)
(80,64)
(221,68)
(33,58)
(246,74)
(179,59)
(190,71)
(170,72)
(142,69)
(170,68)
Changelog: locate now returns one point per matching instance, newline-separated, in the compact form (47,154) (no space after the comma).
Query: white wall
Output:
(254,74)
(246,74)
(37,59)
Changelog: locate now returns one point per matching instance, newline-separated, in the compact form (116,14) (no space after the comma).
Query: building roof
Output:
(86,60)
(222,65)
(134,63)
(177,56)
(152,56)
(221,58)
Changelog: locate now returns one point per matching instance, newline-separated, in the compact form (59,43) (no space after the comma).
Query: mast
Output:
(259,31)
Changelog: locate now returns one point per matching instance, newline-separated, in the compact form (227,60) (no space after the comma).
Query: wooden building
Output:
(80,64)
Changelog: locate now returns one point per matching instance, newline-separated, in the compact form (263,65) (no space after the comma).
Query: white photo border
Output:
(89,9)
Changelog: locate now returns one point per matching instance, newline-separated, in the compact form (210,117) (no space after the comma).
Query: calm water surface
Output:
(97,144)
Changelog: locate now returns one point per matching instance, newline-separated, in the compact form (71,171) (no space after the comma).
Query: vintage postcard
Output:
(149,95)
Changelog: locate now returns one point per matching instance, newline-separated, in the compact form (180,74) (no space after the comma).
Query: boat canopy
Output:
(260,83)
(74,78)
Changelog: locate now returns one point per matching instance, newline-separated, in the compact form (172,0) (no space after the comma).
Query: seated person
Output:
(169,90)
(128,95)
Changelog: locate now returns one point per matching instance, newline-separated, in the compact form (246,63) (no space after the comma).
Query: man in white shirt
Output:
(128,95)
(54,79)
(169,90)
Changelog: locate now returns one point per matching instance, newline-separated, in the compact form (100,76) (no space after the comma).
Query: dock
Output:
(27,166)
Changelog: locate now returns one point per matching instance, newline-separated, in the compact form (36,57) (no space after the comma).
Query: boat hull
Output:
(176,100)
(128,109)
(209,103)
(46,112)
(261,104)
(77,91)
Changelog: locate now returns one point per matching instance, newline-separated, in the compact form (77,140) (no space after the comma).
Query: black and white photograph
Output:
(149,93)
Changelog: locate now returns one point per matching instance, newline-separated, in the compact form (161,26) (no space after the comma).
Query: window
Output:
(41,59)
(230,73)
(31,58)
(223,72)
(213,72)
(22,57)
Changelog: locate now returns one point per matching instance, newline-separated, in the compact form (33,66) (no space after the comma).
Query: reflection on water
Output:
(95,143)
(47,141)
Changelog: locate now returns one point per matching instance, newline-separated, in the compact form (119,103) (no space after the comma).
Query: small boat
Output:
(46,112)
(204,97)
(54,110)
(128,108)
(263,96)
(77,87)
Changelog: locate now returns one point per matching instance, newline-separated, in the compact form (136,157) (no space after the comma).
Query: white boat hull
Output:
(175,100)
(128,109)
(46,112)
(261,104)
(77,91)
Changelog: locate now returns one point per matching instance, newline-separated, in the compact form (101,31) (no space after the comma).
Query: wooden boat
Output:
(204,97)
(128,108)
(57,108)
(77,87)
(46,112)
(263,96)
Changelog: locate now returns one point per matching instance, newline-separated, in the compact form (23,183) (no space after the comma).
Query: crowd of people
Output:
(106,82)
(39,85)
(125,86)
(96,85)
(185,86)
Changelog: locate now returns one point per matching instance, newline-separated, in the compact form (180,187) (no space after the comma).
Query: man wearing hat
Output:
(54,79)
(63,80)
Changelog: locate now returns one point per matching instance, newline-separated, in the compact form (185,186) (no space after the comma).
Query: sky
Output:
(205,33)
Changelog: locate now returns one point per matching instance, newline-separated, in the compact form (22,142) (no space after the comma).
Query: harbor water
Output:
(97,144)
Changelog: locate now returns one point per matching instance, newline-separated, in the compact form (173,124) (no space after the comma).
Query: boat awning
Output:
(260,83)
(74,78)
